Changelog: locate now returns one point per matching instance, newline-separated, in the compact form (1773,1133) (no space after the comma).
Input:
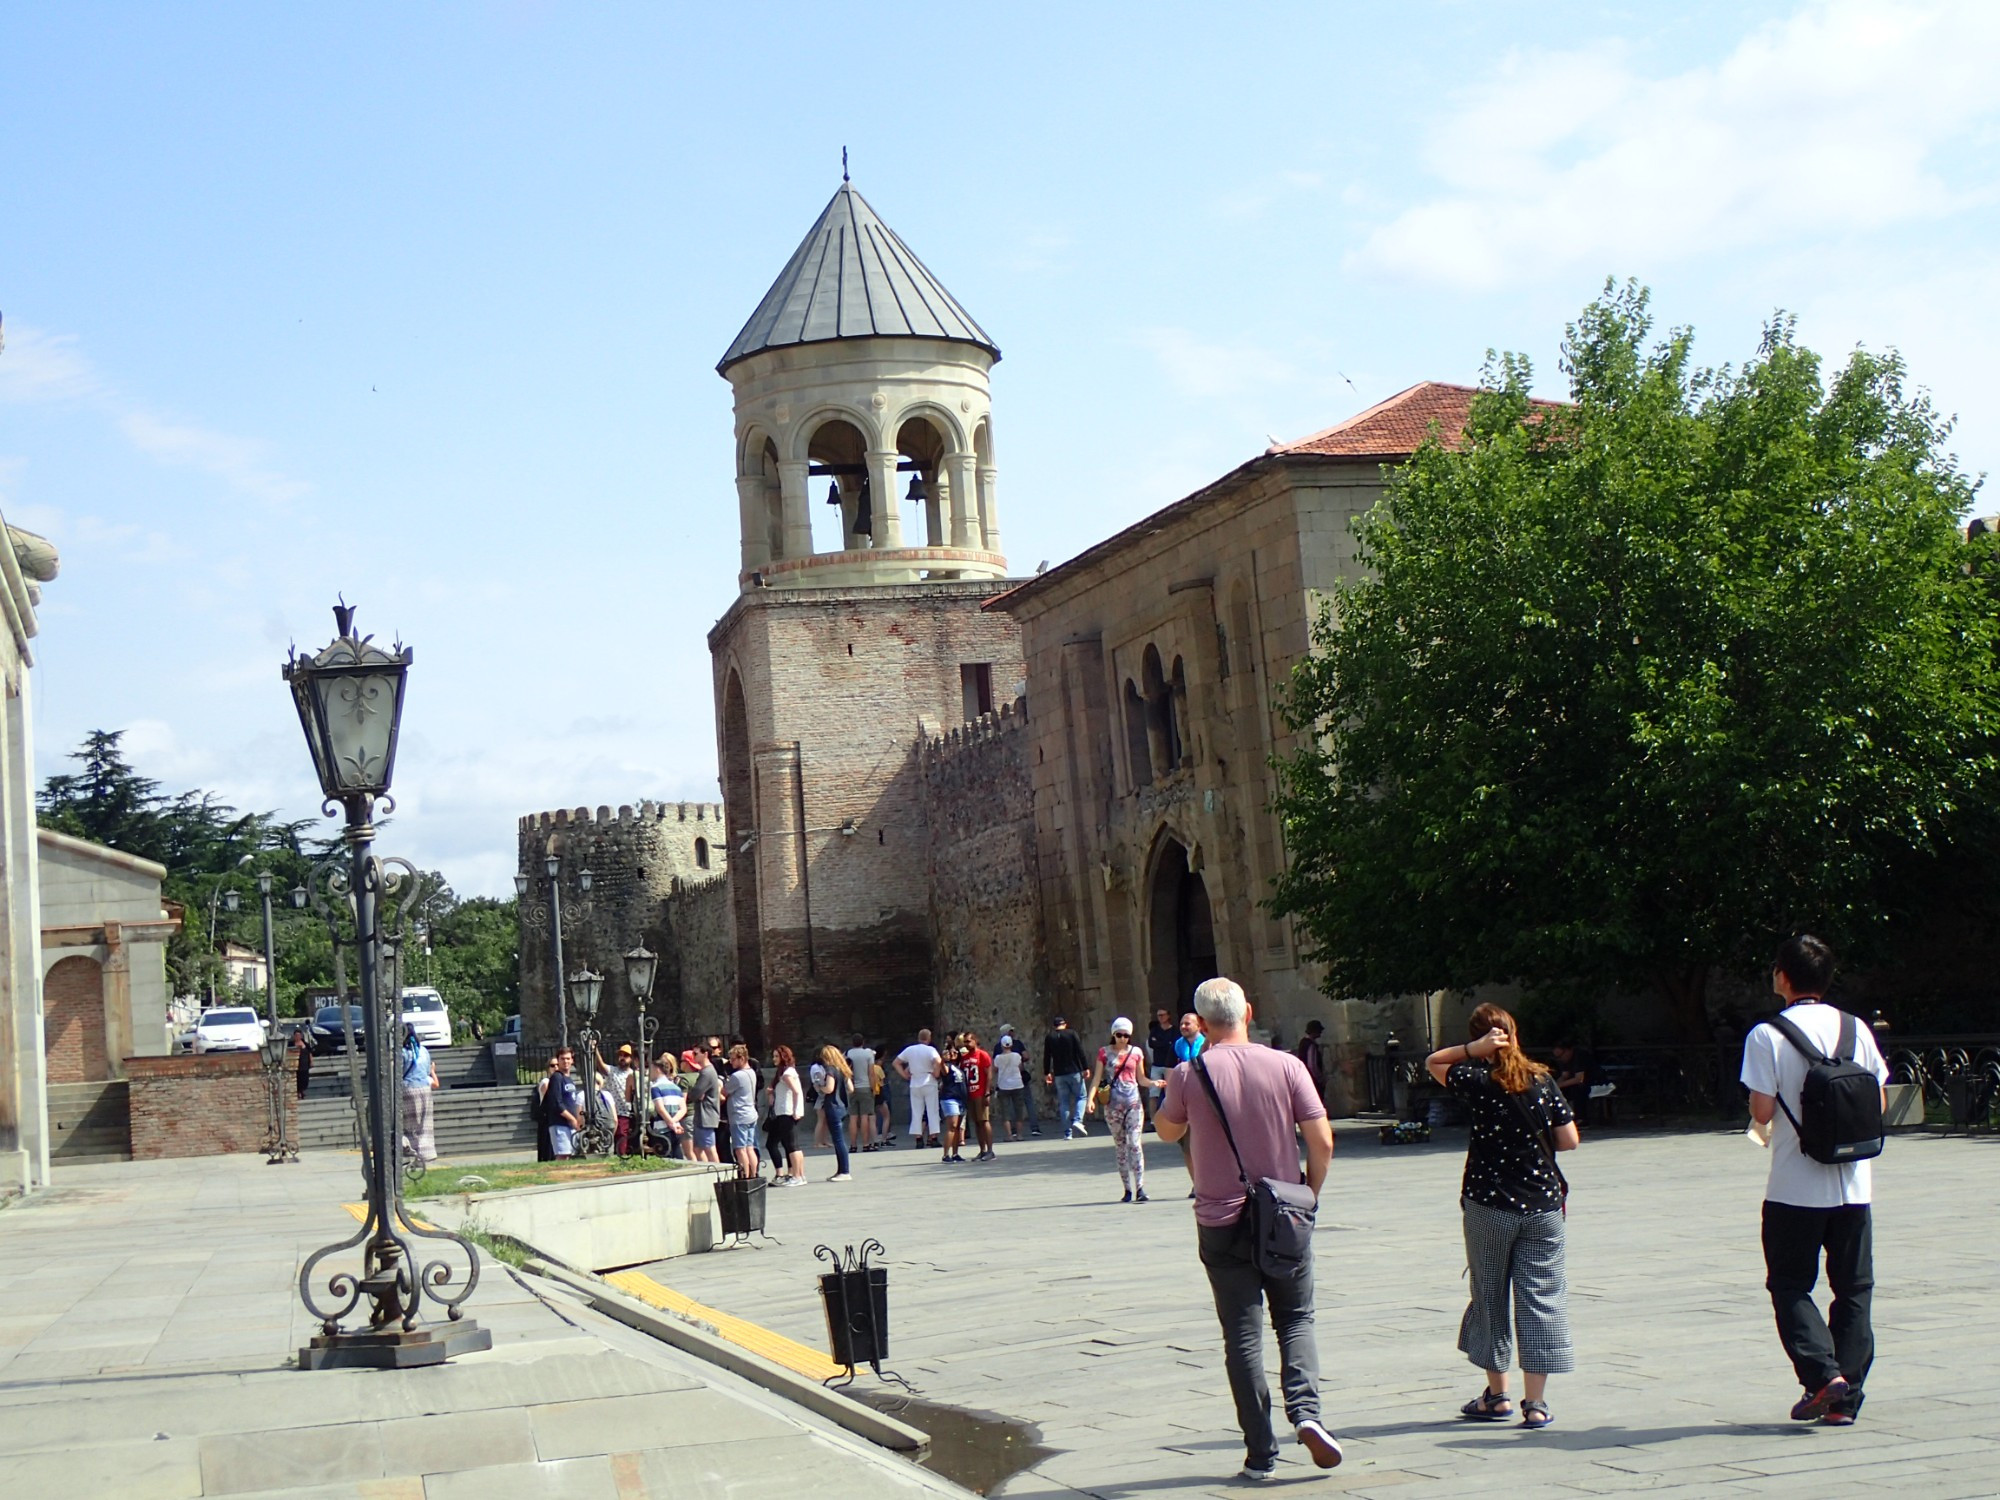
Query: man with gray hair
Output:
(1264,1095)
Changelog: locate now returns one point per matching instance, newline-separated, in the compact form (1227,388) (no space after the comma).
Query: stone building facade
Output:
(835,665)
(26,562)
(1156,663)
(104,958)
(656,877)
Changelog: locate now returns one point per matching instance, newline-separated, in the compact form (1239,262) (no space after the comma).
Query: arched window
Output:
(1177,701)
(1162,734)
(838,454)
(1137,750)
(701,853)
(919,443)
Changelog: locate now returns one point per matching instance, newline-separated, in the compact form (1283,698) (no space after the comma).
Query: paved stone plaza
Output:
(147,1313)
(1024,1289)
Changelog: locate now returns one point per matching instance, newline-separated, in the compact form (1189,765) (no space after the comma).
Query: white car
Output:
(424,1009)
(228,1028)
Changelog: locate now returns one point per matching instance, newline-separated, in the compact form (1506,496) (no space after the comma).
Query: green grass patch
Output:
(500,1247)
(499,1176)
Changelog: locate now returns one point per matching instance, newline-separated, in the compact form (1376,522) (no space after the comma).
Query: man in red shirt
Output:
(978,1065)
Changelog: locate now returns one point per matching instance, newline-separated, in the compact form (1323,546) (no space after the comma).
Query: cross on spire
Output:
(843,164)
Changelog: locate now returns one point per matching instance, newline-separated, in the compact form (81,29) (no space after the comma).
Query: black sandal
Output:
(1535,1415)
(1492,1406)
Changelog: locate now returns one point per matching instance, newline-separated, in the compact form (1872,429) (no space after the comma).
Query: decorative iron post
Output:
(350,700)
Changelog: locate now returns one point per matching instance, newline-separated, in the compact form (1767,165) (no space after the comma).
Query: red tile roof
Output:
(1396,427)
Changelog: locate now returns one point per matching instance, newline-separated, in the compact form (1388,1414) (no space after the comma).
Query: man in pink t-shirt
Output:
(1266,1095)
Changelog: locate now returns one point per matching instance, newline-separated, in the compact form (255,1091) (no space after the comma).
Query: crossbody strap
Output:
(1201,1069)
(1540,1136)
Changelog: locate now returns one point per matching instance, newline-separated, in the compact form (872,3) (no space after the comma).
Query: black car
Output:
(329,1036)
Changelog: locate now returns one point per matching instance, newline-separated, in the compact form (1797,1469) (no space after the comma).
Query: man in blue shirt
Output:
(419,1078)
(1187,1047)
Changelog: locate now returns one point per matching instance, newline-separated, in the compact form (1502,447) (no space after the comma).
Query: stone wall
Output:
(988,960)
(201,1106)
(647,865)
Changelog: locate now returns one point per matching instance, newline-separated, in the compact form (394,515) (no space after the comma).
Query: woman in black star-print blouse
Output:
(1513,1200)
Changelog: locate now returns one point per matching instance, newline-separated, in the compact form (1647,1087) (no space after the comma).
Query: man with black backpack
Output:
(1816,1078)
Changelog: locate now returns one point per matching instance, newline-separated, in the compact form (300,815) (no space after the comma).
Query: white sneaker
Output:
(841,1177)
(1321,1444)
(1258,1476)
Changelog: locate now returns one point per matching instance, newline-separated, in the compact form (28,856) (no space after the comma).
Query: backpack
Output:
(1840,1104)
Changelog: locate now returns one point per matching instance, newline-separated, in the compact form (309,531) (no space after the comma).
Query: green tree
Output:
(1638,684)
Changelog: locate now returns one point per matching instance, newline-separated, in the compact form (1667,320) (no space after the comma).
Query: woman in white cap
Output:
(1121,1070)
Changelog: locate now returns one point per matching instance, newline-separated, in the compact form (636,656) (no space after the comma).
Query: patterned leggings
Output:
(1125,1121)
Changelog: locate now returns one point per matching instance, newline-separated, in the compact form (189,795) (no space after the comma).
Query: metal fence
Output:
(1958,1074)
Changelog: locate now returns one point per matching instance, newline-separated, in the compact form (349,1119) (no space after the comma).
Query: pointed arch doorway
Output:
(1183,929)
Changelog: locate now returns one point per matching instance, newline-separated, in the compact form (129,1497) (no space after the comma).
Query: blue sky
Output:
(423,303)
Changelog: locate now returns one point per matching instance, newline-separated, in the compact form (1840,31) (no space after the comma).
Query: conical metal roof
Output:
(853,278)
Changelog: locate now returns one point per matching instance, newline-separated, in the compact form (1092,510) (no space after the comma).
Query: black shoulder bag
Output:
(1282,1214)
(1542,1138)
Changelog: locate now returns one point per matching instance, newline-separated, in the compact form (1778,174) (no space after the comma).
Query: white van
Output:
(423,1008)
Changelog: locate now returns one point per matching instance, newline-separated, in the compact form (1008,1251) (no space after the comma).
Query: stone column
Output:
(989,512)
(117,999)
(750,512)
(888,516)
(965,530)
(798,524)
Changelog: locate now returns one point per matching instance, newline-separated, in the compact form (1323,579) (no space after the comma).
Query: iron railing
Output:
(1958,1073)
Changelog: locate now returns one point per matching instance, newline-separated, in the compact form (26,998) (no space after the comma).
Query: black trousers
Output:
(1843,1342)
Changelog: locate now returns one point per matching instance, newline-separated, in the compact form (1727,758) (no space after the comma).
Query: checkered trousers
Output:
(1517,1255)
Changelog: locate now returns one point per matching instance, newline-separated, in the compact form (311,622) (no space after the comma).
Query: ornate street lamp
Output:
(597,1135)
(553,864)
(639,966)
(350,704)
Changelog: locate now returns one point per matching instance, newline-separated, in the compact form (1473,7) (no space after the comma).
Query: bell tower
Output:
(860,384)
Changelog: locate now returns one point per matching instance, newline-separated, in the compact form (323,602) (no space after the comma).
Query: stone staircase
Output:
(457,1068)
(92,1122)
(465,1121)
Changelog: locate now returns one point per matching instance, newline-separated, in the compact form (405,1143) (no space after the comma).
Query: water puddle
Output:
(974,1449)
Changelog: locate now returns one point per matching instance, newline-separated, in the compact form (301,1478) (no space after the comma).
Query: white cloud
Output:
(39,367)
(1828,122)
(238,462)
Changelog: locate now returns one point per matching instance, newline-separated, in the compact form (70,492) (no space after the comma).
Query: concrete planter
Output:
(601,1225)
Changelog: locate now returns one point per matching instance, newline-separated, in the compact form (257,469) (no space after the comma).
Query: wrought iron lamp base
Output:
(394,1348)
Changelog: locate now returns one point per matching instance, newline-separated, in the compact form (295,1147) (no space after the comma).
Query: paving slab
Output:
(1023,1289)
(149,1353)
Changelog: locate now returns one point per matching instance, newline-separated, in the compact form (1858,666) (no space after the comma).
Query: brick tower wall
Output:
(840,691)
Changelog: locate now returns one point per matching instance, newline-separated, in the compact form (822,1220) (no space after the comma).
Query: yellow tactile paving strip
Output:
(741,1332)
(360,1212)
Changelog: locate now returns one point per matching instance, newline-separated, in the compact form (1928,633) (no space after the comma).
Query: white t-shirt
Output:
(787,1098)
(859,1061)
(1007,1071)
(1772,1065)
(921,1058)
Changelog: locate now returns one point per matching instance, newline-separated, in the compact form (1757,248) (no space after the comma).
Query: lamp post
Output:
(597,1134)
(278,1145)
(531,916)
(349,699)
(639,965)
